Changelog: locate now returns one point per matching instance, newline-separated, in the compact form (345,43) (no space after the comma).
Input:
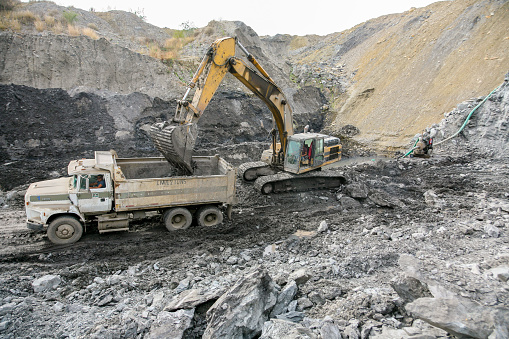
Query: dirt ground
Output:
(429,216)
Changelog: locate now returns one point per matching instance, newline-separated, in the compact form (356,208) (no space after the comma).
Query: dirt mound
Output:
(126,29)
(394,75)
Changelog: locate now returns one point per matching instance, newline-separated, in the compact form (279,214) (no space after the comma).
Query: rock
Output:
(323,227)
(300,276)
(292,306)
(330,330)
(7,308)
(352,330)
(316,298)
(191,299)
(303,303)
(99,280)
(501,272)
(243,309)
(385,200)
(462,317)
(292,316)
(11,196)
(409,288)
(58,307)
(46,283)
(105,300)
(282,329)
(284,298)
(348,203)
(357,190)
(171,324)
(492,230)
(368,326)
(232,260)
(432,199)
(269,250)
(183,285)
(4,325)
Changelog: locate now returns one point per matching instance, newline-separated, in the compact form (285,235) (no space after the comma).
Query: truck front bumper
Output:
(35,227)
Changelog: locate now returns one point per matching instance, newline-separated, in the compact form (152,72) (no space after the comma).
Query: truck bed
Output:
(146,183)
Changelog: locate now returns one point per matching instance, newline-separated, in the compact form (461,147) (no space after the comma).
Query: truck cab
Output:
(89,196)
(65,204)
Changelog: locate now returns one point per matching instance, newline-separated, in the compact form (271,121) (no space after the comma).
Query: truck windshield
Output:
(83,182)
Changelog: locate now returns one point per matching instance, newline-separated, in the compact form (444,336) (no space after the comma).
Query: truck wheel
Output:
(177,219)
(209,216)
(65,230)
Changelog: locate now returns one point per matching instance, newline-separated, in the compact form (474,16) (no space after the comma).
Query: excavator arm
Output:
(176,140)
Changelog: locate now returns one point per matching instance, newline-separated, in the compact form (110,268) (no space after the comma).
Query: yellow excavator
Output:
(291,162)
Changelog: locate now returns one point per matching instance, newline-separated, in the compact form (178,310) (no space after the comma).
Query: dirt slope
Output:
(403,71)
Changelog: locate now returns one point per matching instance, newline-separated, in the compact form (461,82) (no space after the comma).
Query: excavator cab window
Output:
(293,153)
(312,152)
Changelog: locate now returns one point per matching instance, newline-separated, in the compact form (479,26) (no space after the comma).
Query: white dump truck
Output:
(113,191)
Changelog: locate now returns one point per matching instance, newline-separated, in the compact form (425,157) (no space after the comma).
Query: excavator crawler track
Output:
(250,171)
(288,182)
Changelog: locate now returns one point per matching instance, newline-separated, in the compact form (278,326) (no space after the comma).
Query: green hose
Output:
(468,117)
(462,127)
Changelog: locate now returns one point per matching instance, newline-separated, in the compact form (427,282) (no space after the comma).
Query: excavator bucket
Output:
(176,143)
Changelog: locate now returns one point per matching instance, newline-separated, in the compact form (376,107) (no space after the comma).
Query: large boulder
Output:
(283,329)
(242,310)
(462,317)
(171,324)
(410,288)
(46,283)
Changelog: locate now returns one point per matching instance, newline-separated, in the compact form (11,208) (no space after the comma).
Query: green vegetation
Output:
(8,5)
(140,13)
(187,30)
(70,16)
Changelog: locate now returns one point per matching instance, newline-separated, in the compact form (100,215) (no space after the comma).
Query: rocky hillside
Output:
(378,83)
(394,75)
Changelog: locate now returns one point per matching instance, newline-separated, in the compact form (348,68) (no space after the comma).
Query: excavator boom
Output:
(176,140)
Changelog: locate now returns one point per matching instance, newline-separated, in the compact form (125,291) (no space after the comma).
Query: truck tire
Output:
(209,216)
(177,219)
(65,230)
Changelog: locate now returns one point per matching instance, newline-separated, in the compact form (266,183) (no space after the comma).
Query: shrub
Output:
(74,31)
(15,25)
(49,20)
(92,26)
(90,33)
(24,17)
(70,16)
(39,25)
(8,5)
(58,28)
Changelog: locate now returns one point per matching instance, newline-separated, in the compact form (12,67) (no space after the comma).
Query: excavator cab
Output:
(309,151)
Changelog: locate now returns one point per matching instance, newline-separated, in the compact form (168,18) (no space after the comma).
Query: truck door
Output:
(93,199)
